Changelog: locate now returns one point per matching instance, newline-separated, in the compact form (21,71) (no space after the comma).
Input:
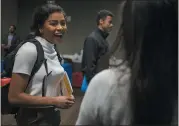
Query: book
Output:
(67,89)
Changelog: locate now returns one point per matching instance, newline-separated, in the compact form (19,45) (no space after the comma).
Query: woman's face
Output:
(54,28)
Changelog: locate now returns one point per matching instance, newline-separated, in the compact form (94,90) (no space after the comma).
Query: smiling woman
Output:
(54,27)
(51,28)
(41,95)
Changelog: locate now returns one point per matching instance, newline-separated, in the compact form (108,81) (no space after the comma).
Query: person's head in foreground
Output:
(142,89)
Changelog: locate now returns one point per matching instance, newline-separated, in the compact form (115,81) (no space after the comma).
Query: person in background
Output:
(10,40)
(37,106)
(143,89)
(95,51)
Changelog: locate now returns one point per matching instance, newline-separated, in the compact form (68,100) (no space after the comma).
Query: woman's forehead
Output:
(56,16)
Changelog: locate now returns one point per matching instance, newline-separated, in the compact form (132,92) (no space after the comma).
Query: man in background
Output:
(10,40)
(96,48)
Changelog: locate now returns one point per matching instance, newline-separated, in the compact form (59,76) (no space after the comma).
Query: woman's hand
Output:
(64,102)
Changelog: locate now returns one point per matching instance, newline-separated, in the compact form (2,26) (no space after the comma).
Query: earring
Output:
(40,30)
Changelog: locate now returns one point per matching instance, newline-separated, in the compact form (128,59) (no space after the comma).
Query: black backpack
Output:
(6,107)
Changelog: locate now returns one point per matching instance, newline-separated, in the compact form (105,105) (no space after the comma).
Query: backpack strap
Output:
(9,59)
(40,57)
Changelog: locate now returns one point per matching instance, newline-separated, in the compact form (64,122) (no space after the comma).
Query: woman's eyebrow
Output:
(52,20)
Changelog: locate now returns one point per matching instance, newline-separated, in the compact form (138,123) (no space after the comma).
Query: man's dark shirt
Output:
(14,43)
(94,54)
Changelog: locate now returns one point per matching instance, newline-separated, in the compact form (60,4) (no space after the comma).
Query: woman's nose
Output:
(59,27)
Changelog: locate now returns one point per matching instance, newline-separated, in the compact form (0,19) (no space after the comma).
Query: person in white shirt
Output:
(143,89)
(49,24)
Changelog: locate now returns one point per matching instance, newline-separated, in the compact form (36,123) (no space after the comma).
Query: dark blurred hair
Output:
(150,41)
(102,14)
(42,13)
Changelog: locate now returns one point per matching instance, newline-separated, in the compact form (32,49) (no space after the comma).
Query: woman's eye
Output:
(63,23)
(54,23)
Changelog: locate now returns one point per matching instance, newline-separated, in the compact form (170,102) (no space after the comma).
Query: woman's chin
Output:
(59,40)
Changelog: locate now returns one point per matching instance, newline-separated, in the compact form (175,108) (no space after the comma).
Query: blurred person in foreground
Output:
(142,90)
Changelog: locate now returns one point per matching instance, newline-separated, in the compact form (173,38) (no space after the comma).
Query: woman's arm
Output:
(23,65)
(24,62)
(17,95)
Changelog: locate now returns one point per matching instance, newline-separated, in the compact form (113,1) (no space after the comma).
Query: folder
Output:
(66,84)
(84,85)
